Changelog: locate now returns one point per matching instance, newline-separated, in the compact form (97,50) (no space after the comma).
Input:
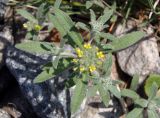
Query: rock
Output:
(141,58)
(4,114)
(12,111)
(49,99)
(3,4)
(12,97)
(6,33)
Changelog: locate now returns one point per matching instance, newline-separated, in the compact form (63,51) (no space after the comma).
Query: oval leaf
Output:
(78,96)
(127,40)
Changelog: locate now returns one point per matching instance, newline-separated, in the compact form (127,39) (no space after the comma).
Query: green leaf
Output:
(107,36)
(152,113)
(36,47)
(92,91)
(82,26)
(107,47)
(130,94)
(115,91)
(57,3)
(89,4)
(150,80)
(55,62)
(93,15)
(156,101)
(153,91)
(44,75)
(105,96)
(27,15)
(78,96)
(98,3)
(127,40)
(135,113)
(134,83)
(108,64)
(49,71)
(114,18)
(141,102)
(57,24)
(65,25)
(104,18)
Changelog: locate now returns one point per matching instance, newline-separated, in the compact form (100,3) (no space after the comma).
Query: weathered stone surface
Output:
(141,58)
(3,4)
(48,99)
(4,114)
(12,99)
(6,33)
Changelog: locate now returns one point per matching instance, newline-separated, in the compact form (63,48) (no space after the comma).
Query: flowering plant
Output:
(89,61)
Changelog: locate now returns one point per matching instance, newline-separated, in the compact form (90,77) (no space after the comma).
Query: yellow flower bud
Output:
(75,68)
(79,52)
(92,68)
(25,25)
(81,69)
(87,45)
(37,27)
(100,55)
(75,60)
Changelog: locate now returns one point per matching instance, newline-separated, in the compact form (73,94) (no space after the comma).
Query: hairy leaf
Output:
(141,102)
(89,4)
(78,96)
(104,18)
(92,91)
(152,113)
(115,91)
(57,3)
(27,15)
(127,40)
(49,71)
(151,79)
(107,65)
(153,91)
(135,113)
(105,96)
(130,94)
(36,47)
(134,83)
(44,75)
(65,25)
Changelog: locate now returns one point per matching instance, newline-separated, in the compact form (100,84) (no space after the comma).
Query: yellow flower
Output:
(87,45)
(100,55)
(79,52)
(92,68)
(81,69)
(37,27)
(75,60)
(25,25)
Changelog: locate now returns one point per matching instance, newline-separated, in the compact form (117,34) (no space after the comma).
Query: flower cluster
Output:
(79,52)
(88,59)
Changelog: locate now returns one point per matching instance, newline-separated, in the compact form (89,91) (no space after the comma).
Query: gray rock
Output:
(141,58)
(3,4)
(6,33)
(49,99)
(4,114)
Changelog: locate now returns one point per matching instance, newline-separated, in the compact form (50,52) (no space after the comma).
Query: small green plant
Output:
(149,106)
(89,61)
